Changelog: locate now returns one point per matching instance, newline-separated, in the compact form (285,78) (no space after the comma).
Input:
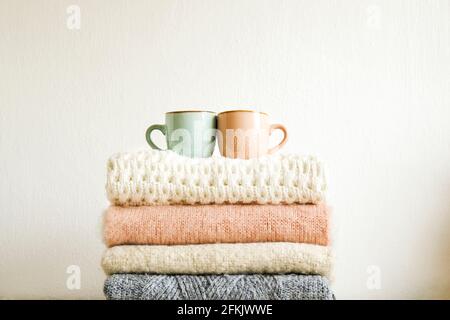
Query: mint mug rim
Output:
(189,111)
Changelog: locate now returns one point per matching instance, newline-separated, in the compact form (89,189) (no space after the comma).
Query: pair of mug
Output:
(242,134)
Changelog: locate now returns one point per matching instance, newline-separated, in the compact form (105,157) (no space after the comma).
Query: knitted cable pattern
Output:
(217,287)
(220,258)
(163,177)
(197,224)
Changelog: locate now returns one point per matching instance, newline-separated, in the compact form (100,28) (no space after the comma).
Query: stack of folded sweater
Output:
(216,228)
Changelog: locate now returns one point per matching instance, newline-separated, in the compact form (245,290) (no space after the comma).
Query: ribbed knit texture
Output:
(217,287)
(178,224)
(163,177)
(268,257)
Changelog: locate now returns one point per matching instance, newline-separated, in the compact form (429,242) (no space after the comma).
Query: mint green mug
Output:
(188,133)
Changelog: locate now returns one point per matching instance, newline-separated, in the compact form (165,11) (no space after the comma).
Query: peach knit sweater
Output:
(202,224)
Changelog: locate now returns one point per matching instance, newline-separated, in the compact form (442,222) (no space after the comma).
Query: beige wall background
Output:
(362,84)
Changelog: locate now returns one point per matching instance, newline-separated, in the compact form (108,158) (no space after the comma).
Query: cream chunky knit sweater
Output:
(163,177)
(269,257)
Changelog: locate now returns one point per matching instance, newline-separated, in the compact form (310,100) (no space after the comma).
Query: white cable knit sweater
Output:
(220,258)
(163,177)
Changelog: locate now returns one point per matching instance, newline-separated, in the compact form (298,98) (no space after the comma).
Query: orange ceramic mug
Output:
(244,134)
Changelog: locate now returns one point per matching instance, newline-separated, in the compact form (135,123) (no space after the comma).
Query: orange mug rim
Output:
(252,111)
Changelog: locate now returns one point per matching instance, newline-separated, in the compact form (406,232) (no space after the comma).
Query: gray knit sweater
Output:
(217,287)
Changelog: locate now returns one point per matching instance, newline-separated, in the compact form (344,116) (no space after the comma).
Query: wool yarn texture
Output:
(162,177)
(220,258)
(198,224)
(217,287)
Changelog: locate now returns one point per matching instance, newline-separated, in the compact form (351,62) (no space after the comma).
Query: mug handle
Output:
(160,127)
(274,127)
